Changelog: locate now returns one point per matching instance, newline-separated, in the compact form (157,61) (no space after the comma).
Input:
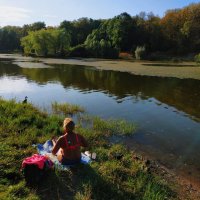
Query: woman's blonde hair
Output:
(68,122)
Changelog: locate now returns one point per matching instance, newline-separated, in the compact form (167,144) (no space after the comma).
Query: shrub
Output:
(78,51)
(197,58)
(140,52)
(101,49)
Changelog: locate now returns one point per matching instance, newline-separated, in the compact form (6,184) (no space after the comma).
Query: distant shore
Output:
(183,70)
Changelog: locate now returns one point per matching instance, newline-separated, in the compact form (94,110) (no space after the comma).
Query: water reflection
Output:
(14,85)
(184,95)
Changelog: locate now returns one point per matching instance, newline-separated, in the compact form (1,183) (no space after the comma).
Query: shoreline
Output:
(182,70)
(185,187)
(116,173)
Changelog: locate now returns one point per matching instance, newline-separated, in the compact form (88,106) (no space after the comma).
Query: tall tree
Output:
(121,30)
(32,27)
(46,42)
(80,29)
(10,38)
(60,41)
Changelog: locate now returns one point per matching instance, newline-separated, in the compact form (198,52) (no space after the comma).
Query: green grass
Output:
(22,125)
(66,109)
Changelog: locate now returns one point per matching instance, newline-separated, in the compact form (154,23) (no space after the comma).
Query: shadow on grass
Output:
(55,185)
(80,183)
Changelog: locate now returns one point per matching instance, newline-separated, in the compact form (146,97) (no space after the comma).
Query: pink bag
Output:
(35,160)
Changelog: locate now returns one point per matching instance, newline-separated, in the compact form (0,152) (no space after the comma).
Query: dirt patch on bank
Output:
(184,188)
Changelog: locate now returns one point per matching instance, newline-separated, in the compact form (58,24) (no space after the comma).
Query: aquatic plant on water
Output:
(66,109)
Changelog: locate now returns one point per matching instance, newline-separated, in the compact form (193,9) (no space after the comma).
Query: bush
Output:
(140,52)
(101,49)
(78,51)
(197,58)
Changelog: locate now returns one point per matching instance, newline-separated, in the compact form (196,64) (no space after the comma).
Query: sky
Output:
(52,12)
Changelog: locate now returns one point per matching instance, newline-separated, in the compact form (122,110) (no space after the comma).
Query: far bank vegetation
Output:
(176,33)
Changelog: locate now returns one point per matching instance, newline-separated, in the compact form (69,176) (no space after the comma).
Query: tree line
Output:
(177,33)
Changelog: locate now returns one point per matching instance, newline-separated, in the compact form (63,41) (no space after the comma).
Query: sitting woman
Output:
(67,147)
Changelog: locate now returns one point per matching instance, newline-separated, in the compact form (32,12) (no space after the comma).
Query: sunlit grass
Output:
(114,175)
(66,109)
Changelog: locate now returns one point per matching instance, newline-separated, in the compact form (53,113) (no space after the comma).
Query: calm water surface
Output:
(167,110)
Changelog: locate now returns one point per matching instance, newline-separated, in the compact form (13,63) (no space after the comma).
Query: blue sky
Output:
(52,12)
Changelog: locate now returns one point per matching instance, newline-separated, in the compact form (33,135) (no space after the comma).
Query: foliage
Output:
(181,28)
(111,36)
(140,52)
(109,178)
(177,32)
(99,47)
(36,26)
(10,35)
(80,29)
(78,51)
(121,31)
(46,42)
(9,38)
(197,58)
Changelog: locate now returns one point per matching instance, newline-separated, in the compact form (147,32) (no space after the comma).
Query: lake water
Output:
(166,110)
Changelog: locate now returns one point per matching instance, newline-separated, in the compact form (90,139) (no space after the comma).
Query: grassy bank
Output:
(22,125)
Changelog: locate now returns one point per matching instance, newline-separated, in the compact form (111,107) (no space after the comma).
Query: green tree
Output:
(121,31)
(60,41)
(150,33)
(46,42)
(80,29)
(10,38)
(36,26)
(197,58)
(99,45)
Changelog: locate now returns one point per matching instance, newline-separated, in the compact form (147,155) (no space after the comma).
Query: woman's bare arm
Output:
(56,147)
